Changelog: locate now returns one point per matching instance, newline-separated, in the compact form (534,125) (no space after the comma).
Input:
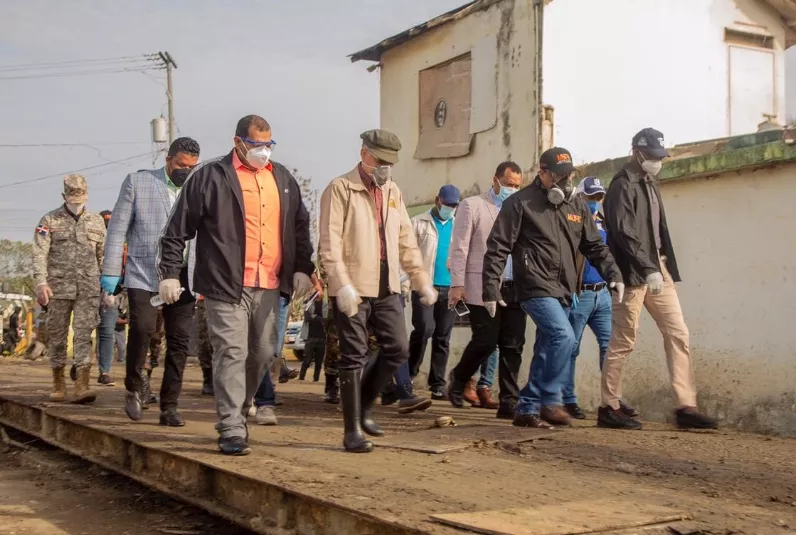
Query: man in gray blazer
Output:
(141,212)
(506,328)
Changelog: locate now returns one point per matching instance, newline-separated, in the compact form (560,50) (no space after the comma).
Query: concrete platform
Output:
(299,481)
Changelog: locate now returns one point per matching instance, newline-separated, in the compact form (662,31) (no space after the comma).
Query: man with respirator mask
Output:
(366,239)
(67,261)
(252,238)
(542,228)
(141,211)
(639,239)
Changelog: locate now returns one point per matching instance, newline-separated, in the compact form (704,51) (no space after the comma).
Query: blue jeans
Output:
(594,310)
(266,395)
(106,337)
(488,368)
(552,352)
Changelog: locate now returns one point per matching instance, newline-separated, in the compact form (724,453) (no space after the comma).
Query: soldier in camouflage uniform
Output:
(68,248)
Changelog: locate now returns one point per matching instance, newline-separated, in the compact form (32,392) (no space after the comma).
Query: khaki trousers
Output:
(665,310)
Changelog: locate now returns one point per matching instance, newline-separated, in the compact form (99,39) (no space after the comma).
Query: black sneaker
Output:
(207,389)
(506,412)
(438,393)
(627,409)
(234,446)
(615,419)
(691,418)
(171,418)
(105,380)
(575,411)
(415,403)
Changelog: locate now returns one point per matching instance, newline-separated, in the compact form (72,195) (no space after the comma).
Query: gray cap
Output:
(383,144)
(75,189)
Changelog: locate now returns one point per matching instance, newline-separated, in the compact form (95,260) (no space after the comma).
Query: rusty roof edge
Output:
(374,53)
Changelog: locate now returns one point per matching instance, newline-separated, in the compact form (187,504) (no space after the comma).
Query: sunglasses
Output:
(268,144)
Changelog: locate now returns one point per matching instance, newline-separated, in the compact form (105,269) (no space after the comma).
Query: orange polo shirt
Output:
(263,225)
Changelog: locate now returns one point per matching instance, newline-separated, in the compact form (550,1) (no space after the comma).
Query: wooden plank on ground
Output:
(447,439)
(568,518)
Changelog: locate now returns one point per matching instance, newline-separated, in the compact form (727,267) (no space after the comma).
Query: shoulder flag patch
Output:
(42,230)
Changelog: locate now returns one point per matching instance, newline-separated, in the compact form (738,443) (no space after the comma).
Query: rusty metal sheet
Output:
(445,102)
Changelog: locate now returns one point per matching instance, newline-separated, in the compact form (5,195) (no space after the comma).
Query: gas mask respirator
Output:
(561,191)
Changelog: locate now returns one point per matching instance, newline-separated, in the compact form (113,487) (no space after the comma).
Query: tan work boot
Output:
(82,392)
(59,385)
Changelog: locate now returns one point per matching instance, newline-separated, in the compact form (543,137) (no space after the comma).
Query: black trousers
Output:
(313,352)
(433,322)
(178,319)
(507,331)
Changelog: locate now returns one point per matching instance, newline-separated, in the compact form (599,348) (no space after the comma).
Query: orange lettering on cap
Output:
(563,158)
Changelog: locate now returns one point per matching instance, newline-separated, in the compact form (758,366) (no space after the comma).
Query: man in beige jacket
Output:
(366,239)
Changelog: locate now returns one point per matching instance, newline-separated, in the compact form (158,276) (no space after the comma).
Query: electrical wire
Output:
(80,73)
(23,145)
(80,63)
(38,179)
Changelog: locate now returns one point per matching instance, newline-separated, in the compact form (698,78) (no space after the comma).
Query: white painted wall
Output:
(516,133)
(613,67)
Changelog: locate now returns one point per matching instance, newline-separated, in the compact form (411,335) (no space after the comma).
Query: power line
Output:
(78,63)
(38,179)
(22,145)
(80,73)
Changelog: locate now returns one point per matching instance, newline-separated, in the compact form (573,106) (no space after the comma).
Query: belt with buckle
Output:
(594,287)
(507,284)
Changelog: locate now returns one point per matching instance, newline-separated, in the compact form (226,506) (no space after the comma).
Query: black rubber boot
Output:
(374,379)
(353,440)
(332,389)
(207,382)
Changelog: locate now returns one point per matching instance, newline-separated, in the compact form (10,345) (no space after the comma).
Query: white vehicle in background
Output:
(294,340)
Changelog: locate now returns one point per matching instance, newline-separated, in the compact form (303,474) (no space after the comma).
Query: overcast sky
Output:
(284,60)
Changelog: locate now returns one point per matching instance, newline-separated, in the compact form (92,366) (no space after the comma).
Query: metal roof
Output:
(375,52)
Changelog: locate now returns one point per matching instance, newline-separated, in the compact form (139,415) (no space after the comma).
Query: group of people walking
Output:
(233,233)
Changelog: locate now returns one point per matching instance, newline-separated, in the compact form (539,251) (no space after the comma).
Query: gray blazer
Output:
(474,220)
(138,219)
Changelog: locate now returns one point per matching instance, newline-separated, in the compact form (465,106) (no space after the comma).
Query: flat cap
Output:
(75,189)
(383,144)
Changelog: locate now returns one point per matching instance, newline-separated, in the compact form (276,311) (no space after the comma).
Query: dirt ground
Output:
(728,482)
(46,492)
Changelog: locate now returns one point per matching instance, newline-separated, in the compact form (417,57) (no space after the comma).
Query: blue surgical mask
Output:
(594,207)
(505,193)
(446,212)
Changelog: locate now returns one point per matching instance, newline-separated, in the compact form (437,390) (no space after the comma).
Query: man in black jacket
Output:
(542,227)
(253,245)
(639,240)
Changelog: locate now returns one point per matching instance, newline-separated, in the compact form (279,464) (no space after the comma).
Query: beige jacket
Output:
(474,219)
(349,244)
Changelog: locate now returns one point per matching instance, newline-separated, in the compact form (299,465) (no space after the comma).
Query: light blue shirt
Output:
(508,272)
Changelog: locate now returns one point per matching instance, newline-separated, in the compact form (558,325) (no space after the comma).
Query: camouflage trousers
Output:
(156,343)
(331,360)
(83,313)
(204,349)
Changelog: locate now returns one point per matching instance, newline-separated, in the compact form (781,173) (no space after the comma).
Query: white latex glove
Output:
(302,284)
(428,295)
(655,283)
(43,294)
(619,288)
(170,290)
(491,307)
(348,300)
(108,300)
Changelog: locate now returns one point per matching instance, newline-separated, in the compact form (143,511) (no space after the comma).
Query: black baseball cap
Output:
(557,160)
(650,142)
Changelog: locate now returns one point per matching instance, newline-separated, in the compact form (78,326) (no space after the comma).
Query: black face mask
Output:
(179,176)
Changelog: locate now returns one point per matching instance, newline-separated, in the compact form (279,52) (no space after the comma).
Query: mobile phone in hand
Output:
(461,309)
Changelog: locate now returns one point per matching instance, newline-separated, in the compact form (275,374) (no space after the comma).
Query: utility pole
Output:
(170,64)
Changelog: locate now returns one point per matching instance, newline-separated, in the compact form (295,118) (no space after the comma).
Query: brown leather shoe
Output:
(486,399)
(530,420)
(556,415)
(470,396)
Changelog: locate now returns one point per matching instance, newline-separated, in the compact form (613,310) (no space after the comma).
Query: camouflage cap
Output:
(75,189)
(383,144)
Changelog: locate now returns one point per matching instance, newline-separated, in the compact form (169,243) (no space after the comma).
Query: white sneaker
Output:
(266,416)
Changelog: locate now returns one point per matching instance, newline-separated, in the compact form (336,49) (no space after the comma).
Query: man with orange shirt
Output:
(253,245)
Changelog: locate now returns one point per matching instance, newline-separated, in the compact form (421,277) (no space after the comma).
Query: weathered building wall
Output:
(608,80)
(515,135)
(736,249)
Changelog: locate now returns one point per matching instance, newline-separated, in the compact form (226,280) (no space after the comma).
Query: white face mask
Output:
(652,168)
(76,209)
(258,157)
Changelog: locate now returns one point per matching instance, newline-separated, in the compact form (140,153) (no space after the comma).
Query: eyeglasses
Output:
(268,144)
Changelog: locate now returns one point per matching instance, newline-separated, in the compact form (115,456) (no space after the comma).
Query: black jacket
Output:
(543,241)
(210,208)
(629,222)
